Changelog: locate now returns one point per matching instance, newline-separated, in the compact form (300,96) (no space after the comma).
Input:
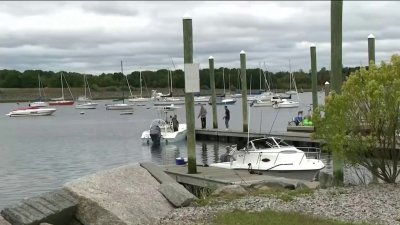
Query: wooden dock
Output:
(299,139)
(217,177)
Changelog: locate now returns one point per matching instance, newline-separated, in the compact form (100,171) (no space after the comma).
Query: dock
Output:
(216,177)
(299,139)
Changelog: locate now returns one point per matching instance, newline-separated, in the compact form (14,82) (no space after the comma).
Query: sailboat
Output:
(287,103)
(39,102)
(222,100)
(123,105)
(163,100)
(140,99)
(85,102)
(291,81)
(61,100)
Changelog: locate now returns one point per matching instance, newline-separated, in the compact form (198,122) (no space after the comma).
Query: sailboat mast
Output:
(260,77)
(223,78)
(141,88)
(62,86)
(40,93)
(84,81)
(126,77)
(290,76)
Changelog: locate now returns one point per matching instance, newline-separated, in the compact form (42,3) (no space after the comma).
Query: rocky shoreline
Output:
(375,204)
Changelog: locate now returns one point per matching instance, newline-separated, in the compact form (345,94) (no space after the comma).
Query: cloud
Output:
(92,37)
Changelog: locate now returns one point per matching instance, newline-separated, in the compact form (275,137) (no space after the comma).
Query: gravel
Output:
(376,204)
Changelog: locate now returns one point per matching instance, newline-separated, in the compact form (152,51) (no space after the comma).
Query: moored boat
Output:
(32,111)
(273,156)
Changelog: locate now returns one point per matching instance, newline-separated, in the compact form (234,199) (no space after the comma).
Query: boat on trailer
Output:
(273,156)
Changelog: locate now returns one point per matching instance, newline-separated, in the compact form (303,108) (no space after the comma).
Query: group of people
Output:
(300,120)
(203,115)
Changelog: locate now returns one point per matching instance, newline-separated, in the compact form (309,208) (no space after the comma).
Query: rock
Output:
(301,186)
(56,207)
(3,221)
(234,189)
(275,183)
(125,195)
(176,194)
(156,172)
(325,179)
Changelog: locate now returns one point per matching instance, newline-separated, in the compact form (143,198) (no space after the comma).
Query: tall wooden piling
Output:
(336,45)
(371,49)
(244,91)
(314,75)
(327,89)
(336,74)
(189,99)
(213,95)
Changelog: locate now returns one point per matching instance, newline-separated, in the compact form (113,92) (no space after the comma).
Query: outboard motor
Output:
(155,134)
(225,157)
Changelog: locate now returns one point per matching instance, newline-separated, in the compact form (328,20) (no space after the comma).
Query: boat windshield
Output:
(267,143)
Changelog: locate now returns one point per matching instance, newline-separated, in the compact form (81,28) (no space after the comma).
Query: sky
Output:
(94,36)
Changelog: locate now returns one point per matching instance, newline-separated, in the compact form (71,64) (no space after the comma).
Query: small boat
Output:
(286,104)
(201,99)
(166,132)
(61,100)
(261,103)
(126,113)
(39,102)
(84,101)
(119,106)
(273,156)
(168,101)
(31,111)
(221,100)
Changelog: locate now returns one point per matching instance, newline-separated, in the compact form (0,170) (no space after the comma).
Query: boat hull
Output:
(90,105)
(166,103)
(38,104)
(61,103)
(167,137)
(32,112)
(119,107)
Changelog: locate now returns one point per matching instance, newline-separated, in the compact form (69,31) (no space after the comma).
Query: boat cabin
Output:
(266,143)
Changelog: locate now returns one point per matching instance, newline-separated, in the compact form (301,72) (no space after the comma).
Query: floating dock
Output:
(298,139)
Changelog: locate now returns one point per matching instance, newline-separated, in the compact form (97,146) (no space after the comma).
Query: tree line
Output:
(159,79)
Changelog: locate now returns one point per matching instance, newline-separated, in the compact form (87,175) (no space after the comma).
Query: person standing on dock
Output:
(227,117)
(175,123)
(202,115)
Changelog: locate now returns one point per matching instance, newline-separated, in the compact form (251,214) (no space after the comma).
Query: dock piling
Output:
(371,49)
(314,76)
(244,91)
(213,95)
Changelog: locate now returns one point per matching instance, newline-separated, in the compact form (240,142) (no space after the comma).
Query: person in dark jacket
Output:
(175,123)
(227,117)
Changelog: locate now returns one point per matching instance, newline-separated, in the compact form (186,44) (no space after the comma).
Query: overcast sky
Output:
(92,37)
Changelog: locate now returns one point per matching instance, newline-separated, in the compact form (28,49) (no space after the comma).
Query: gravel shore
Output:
(376,204)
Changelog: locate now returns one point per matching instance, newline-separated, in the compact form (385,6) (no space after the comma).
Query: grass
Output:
(282,194)
(238,217)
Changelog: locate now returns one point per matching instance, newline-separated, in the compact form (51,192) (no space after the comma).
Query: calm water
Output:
(38,154)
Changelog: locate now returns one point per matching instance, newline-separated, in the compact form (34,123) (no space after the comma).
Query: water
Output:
(38,154)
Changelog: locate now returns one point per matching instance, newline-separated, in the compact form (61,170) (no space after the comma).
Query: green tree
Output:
(362,124)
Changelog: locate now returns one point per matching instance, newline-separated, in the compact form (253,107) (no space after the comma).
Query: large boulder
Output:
(230,190)
(125,195)
(3,221)
(176,194)
(56,207)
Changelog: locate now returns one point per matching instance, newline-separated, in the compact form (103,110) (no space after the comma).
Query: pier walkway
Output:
(216,177)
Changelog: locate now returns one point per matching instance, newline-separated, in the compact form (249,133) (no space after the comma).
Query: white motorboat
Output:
(119,106)
(38,104)
(261,103)
(273,156)
(201,99)
(168,135)
(286,104)
(165,101)
(31,111)
(87,105)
